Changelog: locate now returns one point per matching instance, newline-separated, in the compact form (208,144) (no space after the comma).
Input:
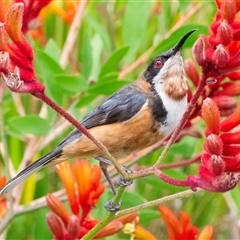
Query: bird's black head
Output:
(170,57)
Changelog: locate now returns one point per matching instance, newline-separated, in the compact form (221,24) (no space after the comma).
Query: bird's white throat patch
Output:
(170,84)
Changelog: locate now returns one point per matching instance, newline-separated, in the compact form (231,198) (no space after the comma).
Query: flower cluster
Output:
(177,228)
(219,171)
(83,188)
(16,54)
(219,57)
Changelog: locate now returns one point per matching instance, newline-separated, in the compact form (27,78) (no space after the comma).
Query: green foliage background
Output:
(113,35)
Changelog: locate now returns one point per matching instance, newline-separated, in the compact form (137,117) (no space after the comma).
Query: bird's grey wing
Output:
(119,107)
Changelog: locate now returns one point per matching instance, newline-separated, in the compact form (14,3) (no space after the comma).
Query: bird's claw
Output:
(123,183)
(111,207)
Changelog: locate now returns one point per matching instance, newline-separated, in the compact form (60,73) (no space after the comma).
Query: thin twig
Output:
(72,34)
(155,203)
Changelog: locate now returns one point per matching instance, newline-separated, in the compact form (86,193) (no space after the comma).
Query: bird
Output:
(131,119)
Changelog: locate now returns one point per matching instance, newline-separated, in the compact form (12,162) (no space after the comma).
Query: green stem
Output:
(155,203)
(110,216)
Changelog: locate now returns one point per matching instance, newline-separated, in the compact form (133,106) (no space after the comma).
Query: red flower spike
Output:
(198,51)
(225,182)
(231,149)
(232,121)
(232,89)
(191,72)
(228,10)
(73,227)
(224,101)
(211,116)
(221,56)
(14,25)
(225,33)
(231,137)
(213,145)
(55,226)
(232,163)
(65,173)
(205,173)
(5,5)
(58,208)
(217,165)
(207,233)
(234,75)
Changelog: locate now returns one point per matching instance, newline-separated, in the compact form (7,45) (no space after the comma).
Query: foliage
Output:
(115,42)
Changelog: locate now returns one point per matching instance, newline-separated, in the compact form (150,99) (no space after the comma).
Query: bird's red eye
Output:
(158,64)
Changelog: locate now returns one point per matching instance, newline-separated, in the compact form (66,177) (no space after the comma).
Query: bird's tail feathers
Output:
(32,168)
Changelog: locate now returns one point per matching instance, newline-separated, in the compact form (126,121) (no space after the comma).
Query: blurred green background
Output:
(112,36)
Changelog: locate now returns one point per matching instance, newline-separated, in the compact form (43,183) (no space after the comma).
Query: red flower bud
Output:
(234,75)
(232,163)
(73,227)
(192,72)
(217,165)
(228,10)
(231,149)
(225,33)
(225,182)
(232,121)
(224,102)
(58,208)
(55,226)
(211,116)
(221,56)
(230,89)
(198,51)
(231,137)
(213,145)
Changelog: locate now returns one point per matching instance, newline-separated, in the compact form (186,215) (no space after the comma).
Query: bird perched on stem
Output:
(133,118)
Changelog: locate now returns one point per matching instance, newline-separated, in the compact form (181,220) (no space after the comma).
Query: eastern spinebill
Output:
(133,118)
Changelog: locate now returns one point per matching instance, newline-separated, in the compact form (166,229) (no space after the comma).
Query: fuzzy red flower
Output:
(16,54)
(219,171)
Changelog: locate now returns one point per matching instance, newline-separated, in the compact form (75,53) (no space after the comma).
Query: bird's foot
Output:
(112,207)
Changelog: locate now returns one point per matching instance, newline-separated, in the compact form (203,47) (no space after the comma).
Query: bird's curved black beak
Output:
(178,46)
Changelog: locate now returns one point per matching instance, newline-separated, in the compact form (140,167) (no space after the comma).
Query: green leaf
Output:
(85,51)
(177,35)
(52,50)
(72,83)
(131,199)
(47,68)
(101,31)
(30,124)
(112,63)
(113,76)
(135,25)
(85,100)
(106,88)
(148,215)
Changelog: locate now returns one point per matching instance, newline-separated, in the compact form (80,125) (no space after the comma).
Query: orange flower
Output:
(83,188)
(182,228)
(3,202)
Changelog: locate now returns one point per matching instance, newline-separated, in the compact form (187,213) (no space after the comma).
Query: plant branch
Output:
(72,34)
(110,216)
(155,203)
